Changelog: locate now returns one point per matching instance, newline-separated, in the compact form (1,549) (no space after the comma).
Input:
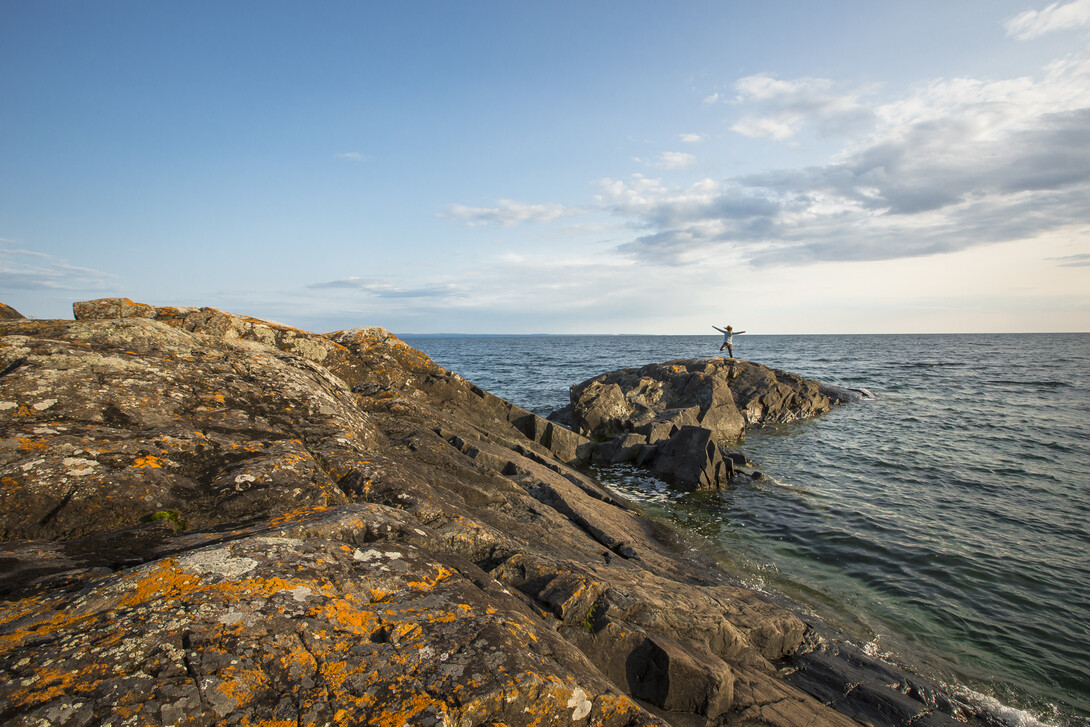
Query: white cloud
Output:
(669,160)
(691,138)
(954,164)
(1035,23)
(508,213)
(22,269)
(384,289)
(781,109)
(352,155)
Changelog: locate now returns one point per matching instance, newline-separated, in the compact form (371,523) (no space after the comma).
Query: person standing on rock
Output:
(728,339)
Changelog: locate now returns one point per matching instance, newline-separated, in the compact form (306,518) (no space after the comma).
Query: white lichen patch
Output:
(579,704)
(301,593)
(309,349)
(368,556)
(5,405)
(217,562)
(233,617)
(78,466)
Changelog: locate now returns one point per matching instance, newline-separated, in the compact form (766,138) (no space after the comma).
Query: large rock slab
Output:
(212,519)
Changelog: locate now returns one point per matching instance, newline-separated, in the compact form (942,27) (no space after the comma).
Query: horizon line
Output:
(717,335)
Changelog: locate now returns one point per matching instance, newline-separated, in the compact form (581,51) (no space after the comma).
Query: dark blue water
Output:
(943,526)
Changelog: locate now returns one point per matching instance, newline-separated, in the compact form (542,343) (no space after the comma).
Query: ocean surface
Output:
(942,526)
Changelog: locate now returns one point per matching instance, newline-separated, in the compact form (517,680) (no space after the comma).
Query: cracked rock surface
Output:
(208,519)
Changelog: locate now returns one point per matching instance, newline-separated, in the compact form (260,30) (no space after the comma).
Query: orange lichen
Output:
(27,444)
(295,516)
(268,722)
(350,616)
(53,682)
(426,584)
(148,461)
(406,711)
(242,684)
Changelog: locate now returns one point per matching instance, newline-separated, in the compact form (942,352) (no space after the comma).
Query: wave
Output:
(1030,383)
(932,364)
(996,711)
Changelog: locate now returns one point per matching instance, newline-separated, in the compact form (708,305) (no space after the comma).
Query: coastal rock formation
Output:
(7,313)
(678,417)
(210,519)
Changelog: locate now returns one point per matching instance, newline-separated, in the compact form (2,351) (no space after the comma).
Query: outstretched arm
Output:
(719,329)
(739,333)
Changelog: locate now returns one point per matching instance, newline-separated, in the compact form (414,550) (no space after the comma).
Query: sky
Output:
(553,167)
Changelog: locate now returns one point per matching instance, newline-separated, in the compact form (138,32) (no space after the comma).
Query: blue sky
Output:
(560,167)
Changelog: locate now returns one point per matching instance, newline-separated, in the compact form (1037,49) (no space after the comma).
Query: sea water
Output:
(942,525)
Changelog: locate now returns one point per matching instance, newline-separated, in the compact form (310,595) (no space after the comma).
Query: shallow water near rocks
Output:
(943,525)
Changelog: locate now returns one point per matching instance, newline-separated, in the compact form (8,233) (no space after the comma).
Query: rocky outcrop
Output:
(7,313)
(209,519)
(678,418)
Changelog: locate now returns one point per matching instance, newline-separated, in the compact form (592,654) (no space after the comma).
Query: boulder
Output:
(771,396)
(668,395)
(622,448)
(111,308)
(688,412)
(690,460)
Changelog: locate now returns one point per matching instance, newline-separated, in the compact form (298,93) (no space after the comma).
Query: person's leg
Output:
(723,346)
(730,350)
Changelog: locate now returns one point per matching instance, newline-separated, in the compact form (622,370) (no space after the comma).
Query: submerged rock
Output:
(678,417)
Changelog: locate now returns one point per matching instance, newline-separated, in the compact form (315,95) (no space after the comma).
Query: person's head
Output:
(729,328)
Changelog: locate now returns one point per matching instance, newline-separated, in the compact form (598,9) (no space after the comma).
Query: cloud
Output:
(950,164)
(782,108)
(383,289)
(955,163)
(670,160)
(691,138)
(22,269)
(508,213)
(1073,261)
(1035,23)
(352,155)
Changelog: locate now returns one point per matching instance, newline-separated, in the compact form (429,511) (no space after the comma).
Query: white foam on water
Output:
(872,650)
(998,711)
